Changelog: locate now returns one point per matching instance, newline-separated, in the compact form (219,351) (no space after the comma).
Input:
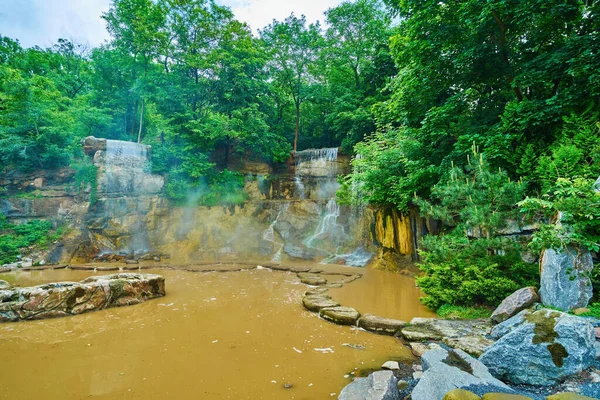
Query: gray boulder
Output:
(380,385)
(516,302)
(541,348)
(565,278)
(471,344)
(448,370)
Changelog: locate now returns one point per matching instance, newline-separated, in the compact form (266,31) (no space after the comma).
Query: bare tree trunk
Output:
(297,126)
(141,122)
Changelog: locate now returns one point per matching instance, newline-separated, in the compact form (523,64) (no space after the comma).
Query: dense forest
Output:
(477,112)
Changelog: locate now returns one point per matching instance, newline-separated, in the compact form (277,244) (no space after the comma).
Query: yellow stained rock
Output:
(568,396)
(504,396)
(461,394)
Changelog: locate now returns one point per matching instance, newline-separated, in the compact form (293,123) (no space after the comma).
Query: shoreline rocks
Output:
(380,385)
(540,348)
(72,298)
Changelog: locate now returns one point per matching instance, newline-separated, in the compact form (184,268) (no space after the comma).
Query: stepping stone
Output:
(340,315)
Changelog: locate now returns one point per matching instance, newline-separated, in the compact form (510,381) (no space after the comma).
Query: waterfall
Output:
(328,227)
(269,233)
(126,154)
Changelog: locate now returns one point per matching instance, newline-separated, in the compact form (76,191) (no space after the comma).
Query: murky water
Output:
(241,335)
(385,294)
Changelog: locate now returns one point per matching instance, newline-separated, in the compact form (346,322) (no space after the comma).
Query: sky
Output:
(42,22)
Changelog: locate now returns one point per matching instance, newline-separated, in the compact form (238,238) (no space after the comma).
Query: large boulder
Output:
(4,285)
(516,302)
(422,329)
(473,344)
(565,278)
(92,144)
(377,324)
(540,348)
(70,298)
(380,385)
(448,370)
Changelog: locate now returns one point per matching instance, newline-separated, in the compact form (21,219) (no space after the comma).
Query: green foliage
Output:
(471,263)
(577,201)
(13,238)
(460,312)
(86,178)
(594,311)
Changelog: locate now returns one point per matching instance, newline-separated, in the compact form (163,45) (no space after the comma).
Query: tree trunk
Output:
(141,122)
(297,126)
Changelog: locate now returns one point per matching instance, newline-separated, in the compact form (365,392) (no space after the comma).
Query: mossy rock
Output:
(340,315)
(461,394)
(504,396)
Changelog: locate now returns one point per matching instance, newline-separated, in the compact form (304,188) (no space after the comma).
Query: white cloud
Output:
(260,13)
(43,22)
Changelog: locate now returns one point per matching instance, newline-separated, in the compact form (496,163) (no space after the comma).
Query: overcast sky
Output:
(42,22)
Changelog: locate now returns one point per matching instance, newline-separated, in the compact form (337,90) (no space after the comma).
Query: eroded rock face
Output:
(565,278)
(380,385)
(541,348)
(72,298)
(377,324)
(447,370)
(515,303)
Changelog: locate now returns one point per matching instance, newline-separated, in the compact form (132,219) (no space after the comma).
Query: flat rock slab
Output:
(312,279)
(317,290)
(377,324)
(340,315)
(422,329)
(472,344)
(72,298)
(380,385)
(515,303)
(317,302)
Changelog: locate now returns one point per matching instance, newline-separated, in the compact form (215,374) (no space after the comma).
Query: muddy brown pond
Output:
(234,335)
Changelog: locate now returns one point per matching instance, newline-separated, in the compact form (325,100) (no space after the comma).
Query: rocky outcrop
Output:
(421,329)
(387,326)
(70,298)
(540,348)
(340,315)
(447,370)
(380,385)
(565,278)
(92,144)
(515,303)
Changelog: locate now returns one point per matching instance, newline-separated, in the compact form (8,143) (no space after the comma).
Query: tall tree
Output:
(293,47)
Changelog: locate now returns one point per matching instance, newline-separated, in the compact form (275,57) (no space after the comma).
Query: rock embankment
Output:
(72,298)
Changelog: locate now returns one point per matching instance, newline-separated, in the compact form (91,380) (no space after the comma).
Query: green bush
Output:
(461,312)
(86,174)
(470,263)
(13,238)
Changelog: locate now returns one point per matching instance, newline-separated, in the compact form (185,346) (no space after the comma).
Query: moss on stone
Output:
(558,353)
(544,324)
(455,360)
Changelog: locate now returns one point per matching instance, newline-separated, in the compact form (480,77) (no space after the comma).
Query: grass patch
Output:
(594,310)
(13,238)
(462,312)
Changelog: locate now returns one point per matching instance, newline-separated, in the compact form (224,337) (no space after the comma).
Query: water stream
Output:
(241,335)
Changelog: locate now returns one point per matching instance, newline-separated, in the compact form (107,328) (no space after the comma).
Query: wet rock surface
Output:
(380,385)
(448,370)
(540,348)
(515,303)
(377,324)
(316,302)
(421,329)
(565,278)
(312,279)
(340,315)
(4,285)
(71,298)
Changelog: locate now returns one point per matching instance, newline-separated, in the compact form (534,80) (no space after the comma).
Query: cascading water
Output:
(269,233)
